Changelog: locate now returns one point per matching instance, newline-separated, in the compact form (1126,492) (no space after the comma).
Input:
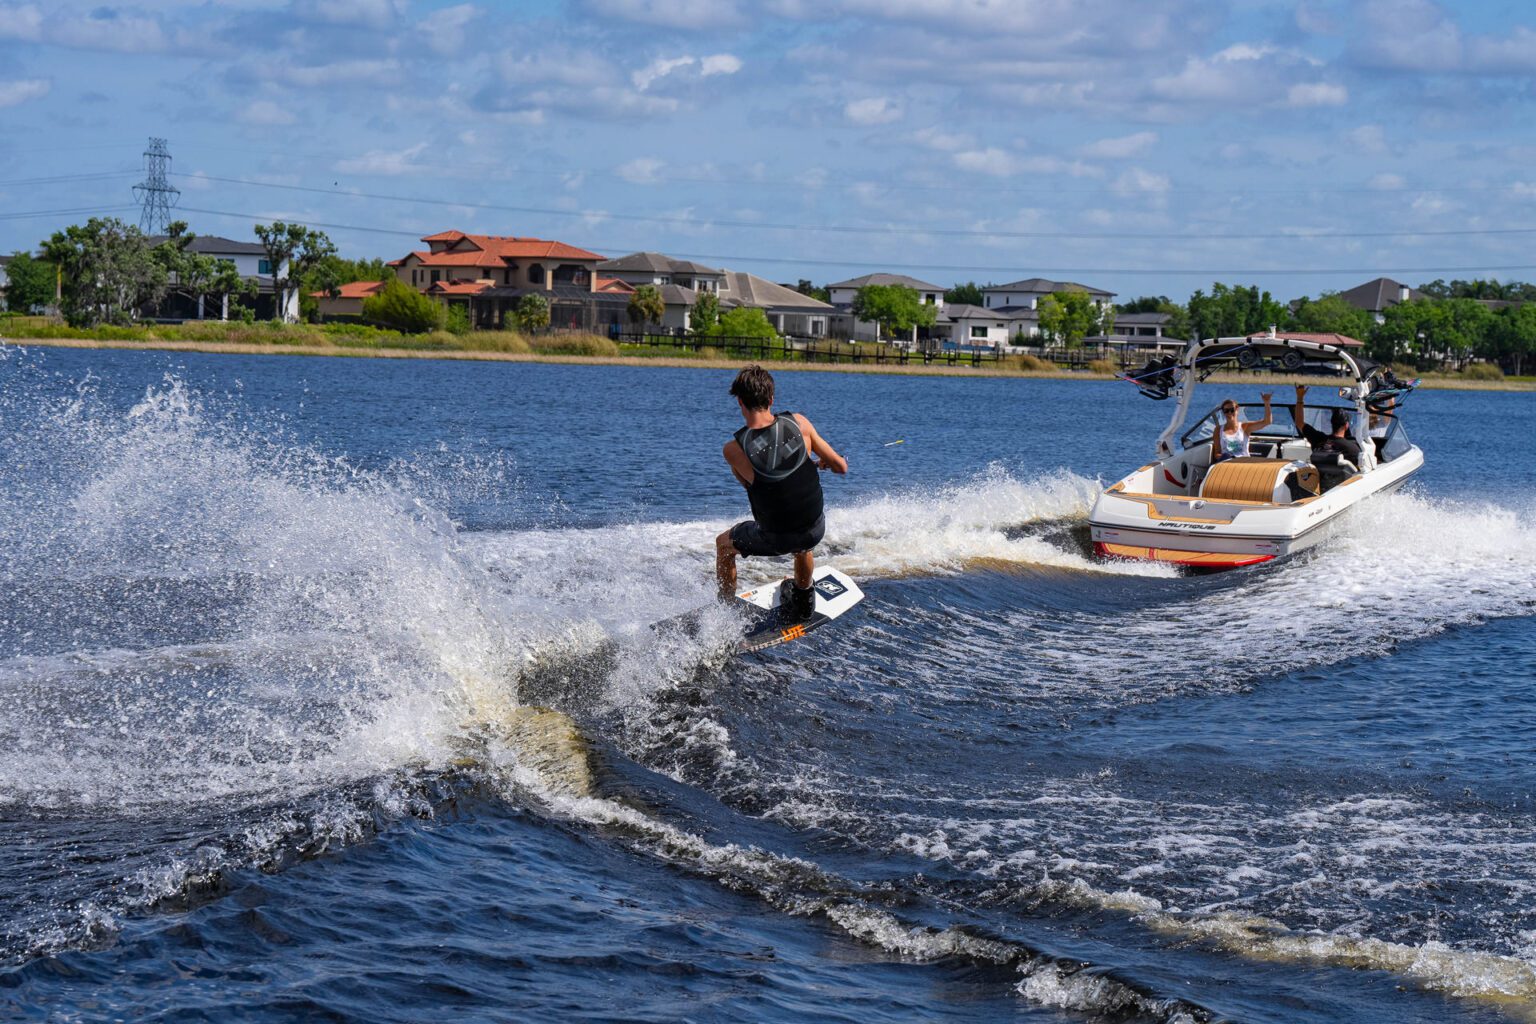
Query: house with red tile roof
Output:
(489,274)
(348,300)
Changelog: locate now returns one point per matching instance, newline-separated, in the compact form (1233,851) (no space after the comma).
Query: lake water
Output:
(275,632)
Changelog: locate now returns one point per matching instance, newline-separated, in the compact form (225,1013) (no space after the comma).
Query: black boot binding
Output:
(796,605)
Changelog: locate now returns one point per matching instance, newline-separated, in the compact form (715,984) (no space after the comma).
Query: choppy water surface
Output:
(327,692)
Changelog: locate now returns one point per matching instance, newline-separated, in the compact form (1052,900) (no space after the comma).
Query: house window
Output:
(979,331)
(536,273)
(928,297)
(263,266)
(437,275)
(663,279)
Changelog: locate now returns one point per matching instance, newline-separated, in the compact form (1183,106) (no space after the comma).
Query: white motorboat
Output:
(1283,496)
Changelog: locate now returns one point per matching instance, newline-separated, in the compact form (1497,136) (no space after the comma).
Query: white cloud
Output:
(1369,138)
(873,110)
(702,15)
(641,171)
(936,138)
(1413,35)
(385,162)
(1317,94)
(360,13)
(22,90)
(1121,147)
(991,160)
(659,68)
(24,22)
(1138,180)
(443,30)
(265,112)
(1387,182)
(719,64)
(1511,52)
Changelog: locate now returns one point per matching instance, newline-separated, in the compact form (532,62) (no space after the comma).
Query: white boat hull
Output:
(1227,534)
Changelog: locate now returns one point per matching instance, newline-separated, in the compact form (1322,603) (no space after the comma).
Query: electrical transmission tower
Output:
(156,195)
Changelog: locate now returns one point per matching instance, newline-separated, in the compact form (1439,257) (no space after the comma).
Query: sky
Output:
(1147,147)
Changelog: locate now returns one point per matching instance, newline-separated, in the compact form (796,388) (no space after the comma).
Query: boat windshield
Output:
(1318,416)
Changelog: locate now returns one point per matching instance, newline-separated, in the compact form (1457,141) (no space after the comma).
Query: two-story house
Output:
(489,274)
(251,262)
(841,296)
(1019,301)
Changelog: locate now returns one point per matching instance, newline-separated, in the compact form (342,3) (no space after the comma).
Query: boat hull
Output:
(1216,535)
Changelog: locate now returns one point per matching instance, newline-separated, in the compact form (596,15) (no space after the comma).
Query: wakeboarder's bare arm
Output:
(741,466)
(826,455)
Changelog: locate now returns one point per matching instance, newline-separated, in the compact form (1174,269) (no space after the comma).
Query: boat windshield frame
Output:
(1197,359)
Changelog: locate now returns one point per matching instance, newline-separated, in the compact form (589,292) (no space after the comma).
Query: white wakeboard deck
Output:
(836,593)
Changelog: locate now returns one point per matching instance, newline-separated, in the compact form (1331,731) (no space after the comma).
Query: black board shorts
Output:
(751,539)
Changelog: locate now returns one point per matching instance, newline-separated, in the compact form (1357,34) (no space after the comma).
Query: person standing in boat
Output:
(772,458)
(1338,440)
(1230,441)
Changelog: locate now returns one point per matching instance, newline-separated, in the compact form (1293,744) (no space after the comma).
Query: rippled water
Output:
(327,691)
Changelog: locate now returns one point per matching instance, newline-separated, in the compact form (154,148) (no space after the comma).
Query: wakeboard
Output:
(772,625)
(768,625)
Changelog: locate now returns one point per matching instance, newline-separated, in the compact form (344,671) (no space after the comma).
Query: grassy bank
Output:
(509,346)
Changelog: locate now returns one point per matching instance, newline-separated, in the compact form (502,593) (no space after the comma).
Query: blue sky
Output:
(1140,146)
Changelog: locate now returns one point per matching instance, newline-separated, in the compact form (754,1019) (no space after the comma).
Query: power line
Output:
(782,181)
(69,212)
(871,229)
(967,268)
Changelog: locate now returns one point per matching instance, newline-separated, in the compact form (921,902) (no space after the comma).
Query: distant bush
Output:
(1102,366)
(402,307)
(573,345)
(1028,364)
(708,352)
(438,339)
(1482,371)
(494,341)
(457,319)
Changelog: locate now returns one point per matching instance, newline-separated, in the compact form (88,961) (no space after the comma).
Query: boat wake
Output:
(223,651)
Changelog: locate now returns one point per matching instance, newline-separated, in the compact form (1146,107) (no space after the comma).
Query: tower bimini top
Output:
(1176,377)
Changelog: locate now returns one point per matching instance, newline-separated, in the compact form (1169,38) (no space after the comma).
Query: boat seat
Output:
(1248,479)
(1334,467)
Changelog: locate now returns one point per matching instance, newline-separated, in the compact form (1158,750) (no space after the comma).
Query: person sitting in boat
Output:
(1230,441)
(1337,441)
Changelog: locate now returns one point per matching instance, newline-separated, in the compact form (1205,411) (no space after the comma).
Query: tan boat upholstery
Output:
(1247,479)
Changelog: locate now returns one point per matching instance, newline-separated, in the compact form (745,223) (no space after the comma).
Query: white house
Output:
(1028,293)
(250,260)
(974,326)
(841,295)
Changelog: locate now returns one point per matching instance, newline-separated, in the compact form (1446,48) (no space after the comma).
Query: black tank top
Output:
(786,489)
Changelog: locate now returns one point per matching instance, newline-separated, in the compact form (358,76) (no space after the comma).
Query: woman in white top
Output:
(1230,441)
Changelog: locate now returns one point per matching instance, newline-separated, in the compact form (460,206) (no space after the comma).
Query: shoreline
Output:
(931,370)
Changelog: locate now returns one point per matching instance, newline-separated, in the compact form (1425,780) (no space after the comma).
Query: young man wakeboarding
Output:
(771,458)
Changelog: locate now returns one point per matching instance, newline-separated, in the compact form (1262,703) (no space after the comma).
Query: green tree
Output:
(30,283)
(744,322)
(646,306)
(1514,337)
(403,308)
(806,288)
(895,307)
(1330,314)
(1233,311)
(532,313)
(196,276)
(294,252)
(705,313)
(969,294)
(108,270)
(456,317)
(1067,317)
